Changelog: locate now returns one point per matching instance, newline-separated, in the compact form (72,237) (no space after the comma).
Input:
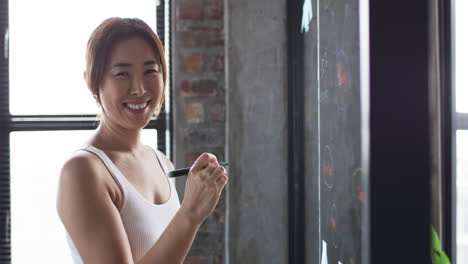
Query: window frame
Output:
(399,145)
(14,123)
(452,121)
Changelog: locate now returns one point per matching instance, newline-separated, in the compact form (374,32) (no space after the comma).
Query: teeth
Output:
(136,106)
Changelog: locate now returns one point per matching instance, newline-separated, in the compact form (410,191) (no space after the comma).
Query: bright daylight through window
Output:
(47,46)
(461,96)
(47,60)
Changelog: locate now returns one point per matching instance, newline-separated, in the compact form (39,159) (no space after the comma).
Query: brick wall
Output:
(200,105)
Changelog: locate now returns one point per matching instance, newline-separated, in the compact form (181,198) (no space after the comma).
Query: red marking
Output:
(358,188)
(360,196)
(333,221)
(328,169)
(342,76)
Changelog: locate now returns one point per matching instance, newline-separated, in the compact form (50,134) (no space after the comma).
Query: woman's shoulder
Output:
(81,158)
(83,172)
(83,166)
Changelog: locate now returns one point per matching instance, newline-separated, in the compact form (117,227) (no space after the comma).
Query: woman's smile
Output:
(137,107)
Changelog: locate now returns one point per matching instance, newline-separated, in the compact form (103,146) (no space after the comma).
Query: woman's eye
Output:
(124,74)
(151,71)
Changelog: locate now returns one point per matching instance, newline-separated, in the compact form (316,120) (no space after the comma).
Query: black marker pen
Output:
(185,171)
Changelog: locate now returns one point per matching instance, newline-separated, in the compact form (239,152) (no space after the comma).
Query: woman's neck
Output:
(112,137)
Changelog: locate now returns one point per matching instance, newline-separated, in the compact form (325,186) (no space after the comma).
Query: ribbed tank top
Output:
(144,222)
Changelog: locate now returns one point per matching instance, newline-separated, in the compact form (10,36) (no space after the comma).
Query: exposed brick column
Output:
(200,105)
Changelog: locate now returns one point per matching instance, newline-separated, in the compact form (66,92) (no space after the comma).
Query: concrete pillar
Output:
(256,70)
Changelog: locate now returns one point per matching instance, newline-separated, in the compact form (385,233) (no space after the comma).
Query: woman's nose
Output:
(137,88)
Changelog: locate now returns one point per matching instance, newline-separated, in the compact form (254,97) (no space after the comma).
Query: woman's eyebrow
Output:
(121,64)
(150,62)
(126,64)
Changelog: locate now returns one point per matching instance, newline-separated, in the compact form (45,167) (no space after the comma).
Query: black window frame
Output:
(448,137)
(399,125)
(452,121)
(14,123)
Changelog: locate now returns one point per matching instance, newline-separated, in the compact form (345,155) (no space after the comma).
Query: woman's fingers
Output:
(218,171)
(203,161)
(221,182)
(212,166)
(206,167)
(204,186)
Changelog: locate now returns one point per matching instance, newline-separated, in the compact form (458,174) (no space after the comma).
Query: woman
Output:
(114,199)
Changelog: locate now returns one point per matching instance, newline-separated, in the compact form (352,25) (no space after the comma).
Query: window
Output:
(461,137)
(462,196)
(47,112)
(34,189)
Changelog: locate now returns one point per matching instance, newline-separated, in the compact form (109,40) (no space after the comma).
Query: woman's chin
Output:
(140,123)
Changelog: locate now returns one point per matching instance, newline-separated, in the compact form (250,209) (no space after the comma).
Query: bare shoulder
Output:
(82,172)
(86,208)
(83,163)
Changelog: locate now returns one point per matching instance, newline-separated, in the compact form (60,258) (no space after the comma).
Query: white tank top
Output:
(144,222)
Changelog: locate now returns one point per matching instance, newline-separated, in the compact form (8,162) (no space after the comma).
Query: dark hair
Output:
(106,36)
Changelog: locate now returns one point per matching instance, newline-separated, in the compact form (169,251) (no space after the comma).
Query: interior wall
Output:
(199,110)
(257,131)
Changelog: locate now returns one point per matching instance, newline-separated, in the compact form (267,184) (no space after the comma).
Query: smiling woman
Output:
(127,60)
(48,110)
(115,200)
(125,64)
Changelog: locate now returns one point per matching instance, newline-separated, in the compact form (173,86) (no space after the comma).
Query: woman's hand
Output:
(205,182)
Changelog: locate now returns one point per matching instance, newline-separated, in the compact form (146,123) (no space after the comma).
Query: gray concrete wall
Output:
(256,68)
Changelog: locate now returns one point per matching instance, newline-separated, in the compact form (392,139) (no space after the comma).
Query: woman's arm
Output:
(174,243)
(88,212)
(205,182)
(86,207)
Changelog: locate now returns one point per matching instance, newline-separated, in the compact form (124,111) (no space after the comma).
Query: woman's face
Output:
(132,84)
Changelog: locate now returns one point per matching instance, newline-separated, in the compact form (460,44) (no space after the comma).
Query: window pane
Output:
(461,55)
(36,160)
(47,51)
(462,196)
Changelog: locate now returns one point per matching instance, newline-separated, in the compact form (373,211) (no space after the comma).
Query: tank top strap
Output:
(161,161)
(113,170)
